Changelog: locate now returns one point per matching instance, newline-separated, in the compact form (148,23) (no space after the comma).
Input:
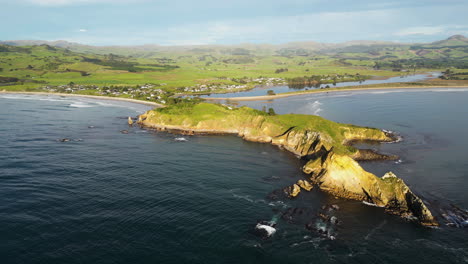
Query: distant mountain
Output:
(310,45)
(304,48)
(455,40)
(58,43)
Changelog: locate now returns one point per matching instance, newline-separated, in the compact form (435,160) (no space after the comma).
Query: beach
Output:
(88,96)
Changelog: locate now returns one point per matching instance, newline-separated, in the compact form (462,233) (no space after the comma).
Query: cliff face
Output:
(324,143)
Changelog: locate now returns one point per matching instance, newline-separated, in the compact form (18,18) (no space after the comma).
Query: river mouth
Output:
(262,91)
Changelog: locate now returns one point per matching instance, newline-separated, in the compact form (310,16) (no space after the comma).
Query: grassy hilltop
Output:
(264,126)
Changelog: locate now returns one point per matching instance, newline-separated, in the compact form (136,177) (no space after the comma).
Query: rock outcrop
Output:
(342,176)
(293,191)
(324,143)
(305,185)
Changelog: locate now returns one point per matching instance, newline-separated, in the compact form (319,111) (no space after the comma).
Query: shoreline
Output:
(99,97)
(318,91)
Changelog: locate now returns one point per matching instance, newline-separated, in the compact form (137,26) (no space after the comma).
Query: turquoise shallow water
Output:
(142,197)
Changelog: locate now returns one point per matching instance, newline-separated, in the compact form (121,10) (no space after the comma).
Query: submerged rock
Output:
(455,216)
(265,229)
(130,121)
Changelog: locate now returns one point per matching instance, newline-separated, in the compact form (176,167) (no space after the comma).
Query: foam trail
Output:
(315,107)
(375,229)
(370,204)
(268,229)
(80,105)
(28,97)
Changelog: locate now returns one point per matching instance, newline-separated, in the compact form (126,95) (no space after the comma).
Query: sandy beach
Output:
(282,95)
(89,96)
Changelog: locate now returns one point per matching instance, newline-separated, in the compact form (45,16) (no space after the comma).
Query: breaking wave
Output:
(315,107)
(79,104)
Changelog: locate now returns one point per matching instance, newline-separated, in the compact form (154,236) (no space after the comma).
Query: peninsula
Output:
(325,145)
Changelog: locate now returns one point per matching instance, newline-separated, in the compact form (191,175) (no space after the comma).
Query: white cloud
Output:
(267,29)
(273,29)
(380,24)
(432,30)
(421,31)
(83,30)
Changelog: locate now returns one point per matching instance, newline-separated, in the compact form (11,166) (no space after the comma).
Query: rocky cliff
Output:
(341,176)
(324,143)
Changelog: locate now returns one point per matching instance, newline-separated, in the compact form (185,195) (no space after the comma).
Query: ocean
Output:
(75,187)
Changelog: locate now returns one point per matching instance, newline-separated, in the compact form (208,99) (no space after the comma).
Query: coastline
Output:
(330,164)
(317,91)
(99,97)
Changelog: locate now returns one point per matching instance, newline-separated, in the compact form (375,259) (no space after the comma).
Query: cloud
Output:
(207,27)
(432,30)
(323,26)
(280,29)
(427,30)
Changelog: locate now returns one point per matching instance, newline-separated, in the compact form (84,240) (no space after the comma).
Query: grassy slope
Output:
(223,118)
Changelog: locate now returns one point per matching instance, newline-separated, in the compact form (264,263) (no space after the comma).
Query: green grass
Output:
(173,68)
(227,118)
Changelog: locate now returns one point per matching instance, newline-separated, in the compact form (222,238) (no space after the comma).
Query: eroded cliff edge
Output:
(331,160)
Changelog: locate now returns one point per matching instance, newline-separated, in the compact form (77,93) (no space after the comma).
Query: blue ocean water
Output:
(143,197)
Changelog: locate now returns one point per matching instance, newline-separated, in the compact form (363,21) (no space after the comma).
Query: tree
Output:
(271,92)
(271,111)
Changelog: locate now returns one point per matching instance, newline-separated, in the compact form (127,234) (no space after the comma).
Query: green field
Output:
(156,73)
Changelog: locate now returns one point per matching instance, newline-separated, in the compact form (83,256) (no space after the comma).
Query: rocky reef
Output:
(324,144)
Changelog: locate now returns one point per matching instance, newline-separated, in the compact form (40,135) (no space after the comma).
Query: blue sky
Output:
(194,22)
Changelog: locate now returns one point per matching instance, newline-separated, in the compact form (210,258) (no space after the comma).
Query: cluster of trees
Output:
(270,111)
(8,79)
(280,70)
(239,60)
(243,80)
(119,63)
(317,80)
(451,75)
(412,64)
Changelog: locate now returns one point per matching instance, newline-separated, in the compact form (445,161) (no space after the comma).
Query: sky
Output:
(200,22)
